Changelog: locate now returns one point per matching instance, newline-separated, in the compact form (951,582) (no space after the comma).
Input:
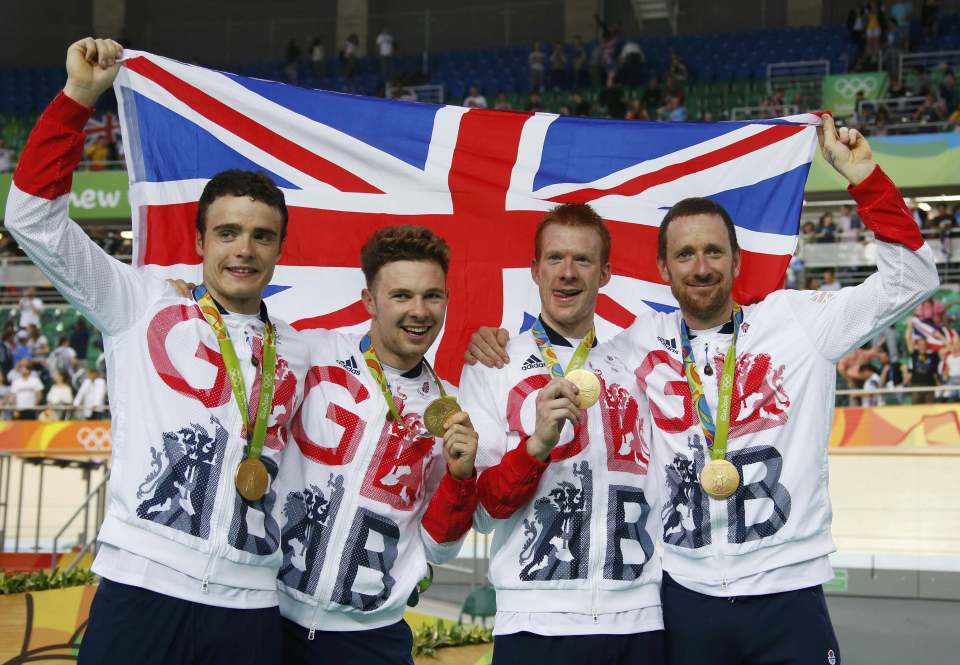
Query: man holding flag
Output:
(202,390)
(741,399)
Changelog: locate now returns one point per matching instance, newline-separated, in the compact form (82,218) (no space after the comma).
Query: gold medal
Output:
(720,478)
(437,412)
(252,479)
(588,386)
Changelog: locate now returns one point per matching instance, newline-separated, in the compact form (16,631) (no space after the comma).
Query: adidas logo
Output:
(350,365)
(669,343)
(533,362)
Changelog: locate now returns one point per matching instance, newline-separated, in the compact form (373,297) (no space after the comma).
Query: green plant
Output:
(42,580)
(442,634)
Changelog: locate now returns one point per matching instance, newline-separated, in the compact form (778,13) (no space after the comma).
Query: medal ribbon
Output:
(376,369)
(211,312)
(714,432)
(549,356)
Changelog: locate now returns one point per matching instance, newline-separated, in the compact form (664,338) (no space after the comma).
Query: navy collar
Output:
(414,371)
(725,329)
(556,338)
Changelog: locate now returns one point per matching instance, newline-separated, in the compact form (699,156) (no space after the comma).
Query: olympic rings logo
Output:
(849,86)
(94,438)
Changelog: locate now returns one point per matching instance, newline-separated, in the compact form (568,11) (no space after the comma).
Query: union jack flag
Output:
(482,179)
(105,125)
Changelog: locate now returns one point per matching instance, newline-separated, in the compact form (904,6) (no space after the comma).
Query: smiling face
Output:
(240,246)
(700,266)
(407,301)
(569,274)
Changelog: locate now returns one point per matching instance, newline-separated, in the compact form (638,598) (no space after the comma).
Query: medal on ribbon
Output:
(252,478)
(436,413)
(587,383)
(719,478)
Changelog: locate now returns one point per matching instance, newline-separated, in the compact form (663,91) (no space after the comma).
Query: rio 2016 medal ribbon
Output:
(432,420)
(252,478)
(719,478)
(588,386)
(437,413)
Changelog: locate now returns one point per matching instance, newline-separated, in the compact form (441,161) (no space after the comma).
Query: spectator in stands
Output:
(673,111)
(673,88)
(922,369)
(652,97)
(873,29)
(855,369)
(558,67)
(60,396)
(880,124)
(6,351)
(706,116)
(829,281)
(855,26)
(677,69)
(581,73)
(950,368)
(474,99)
(317,56)
(813,284)
(348,60)
(613,99)
(892,41)
(97,154)
(930,17)
(534,103)
(6,158)
(91,398)
(27,391)
(6,398)
(385,48)
(80,338)
(581,106)
(21,348)
(826,228)
(632,60)
(948,89)
(773,104)
(808,234)
(849,225)
(902,12)
(37,341)
(292,61)
(502,103)
(876,371)
(61,358)
(637,111)
(30,307)
(943,218)
(536,62)
(609,52)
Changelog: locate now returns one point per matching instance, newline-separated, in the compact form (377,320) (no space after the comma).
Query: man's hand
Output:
(459,445)
(556,402)
(91,68)
(183,289)
(489,346)
(846,149)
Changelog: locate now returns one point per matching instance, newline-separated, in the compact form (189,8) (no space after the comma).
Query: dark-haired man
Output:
(741,399)
(201,394)
(572,558)
(387,458)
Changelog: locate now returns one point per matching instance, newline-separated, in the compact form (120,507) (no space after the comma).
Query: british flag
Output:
(481,179)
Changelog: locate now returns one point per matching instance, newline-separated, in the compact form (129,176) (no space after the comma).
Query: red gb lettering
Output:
(161,325)
(353,426)
(623,430)
(284,395)
(518,395)
(678,388)
(401,462)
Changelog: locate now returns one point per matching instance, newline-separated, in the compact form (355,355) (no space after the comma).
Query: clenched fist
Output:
(91,67)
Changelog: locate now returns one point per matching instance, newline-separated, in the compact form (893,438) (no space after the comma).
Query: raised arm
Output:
(838,322)
(108,292)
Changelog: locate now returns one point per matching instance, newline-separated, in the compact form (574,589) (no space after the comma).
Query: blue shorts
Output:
(390,645)
(789,628)
(128,624)
(635,649)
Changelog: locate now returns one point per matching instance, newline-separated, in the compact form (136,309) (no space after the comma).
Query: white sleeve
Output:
(111,294)
(839,321)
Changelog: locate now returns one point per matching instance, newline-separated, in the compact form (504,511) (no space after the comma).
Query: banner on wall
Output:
(840,90)
(62,438)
